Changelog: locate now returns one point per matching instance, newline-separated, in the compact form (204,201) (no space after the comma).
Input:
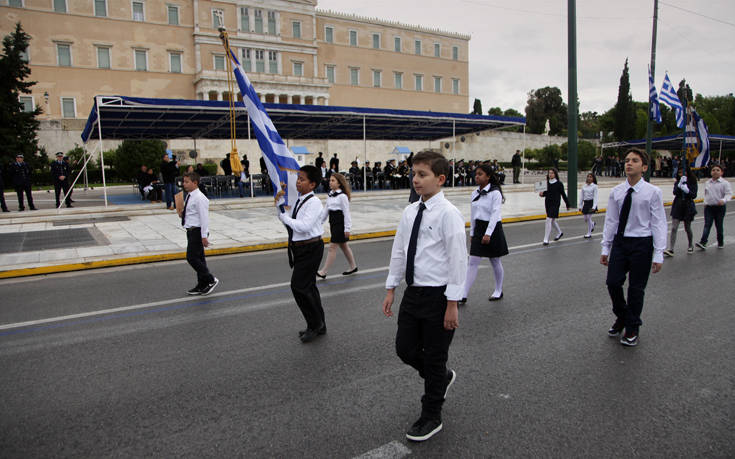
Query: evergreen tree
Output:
(477,107)
(624,114)
(17,128)
(546,104)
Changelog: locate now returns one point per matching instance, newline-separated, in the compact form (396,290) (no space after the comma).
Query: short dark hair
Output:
(713,165)
(642,154)
(312,173)
(193,176)
(436,162)
(594,178)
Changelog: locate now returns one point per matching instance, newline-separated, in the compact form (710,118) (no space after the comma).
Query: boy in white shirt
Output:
(430,250)
(195,219)
(717,191)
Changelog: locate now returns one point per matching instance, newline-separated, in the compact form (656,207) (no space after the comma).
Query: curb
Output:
(54,269)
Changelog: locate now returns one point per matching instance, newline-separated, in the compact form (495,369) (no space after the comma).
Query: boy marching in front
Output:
(195,219)
(717,192)
(430,251)
(634,239)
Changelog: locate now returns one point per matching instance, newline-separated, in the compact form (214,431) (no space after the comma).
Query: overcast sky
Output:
(522,45)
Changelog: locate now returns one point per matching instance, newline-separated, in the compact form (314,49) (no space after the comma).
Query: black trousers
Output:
(195,256)
(306,259)
(716,215)
(62,185)
(630,256)
(2,198)
(19,189)
(423,343)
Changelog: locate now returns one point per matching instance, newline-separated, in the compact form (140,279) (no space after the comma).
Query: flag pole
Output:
(649,124)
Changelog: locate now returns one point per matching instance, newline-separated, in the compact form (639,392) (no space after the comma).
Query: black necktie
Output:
(412,244)
(625,211)
(183,212)
(332,194)
(481,194)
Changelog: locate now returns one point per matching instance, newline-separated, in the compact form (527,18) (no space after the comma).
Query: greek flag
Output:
(702,140)
(279,160)
(653,106)
(669,97)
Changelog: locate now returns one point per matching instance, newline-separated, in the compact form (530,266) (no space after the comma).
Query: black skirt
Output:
(587,207)
(497,247)
(337,226)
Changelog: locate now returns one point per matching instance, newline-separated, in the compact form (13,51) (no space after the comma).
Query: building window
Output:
(376,40)
(15,3)
(272,22)
(329,34)
(174,60)
(417,47)
(455,53)
(455,86)
(298,69)
(173,14)
(437,84)
(27,104)
(218,18)
(68,107)
(244,20)
(141,60)
(296,28)
(260,61)
(63,55)
(219,62)
(353,37)
(330,73)
(397,44)
(419,82)
(273,62)
(100,8)
(354,76)
(376,78)
(103,57)
(258,21)
(247,60)
(398,80)
(60,6)
(138,11)
(437,50)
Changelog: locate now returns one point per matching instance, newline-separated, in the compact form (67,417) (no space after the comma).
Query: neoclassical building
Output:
(293,53)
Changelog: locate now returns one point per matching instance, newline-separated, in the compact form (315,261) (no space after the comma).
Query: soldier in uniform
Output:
(2,191)
(21,173)
(60,172)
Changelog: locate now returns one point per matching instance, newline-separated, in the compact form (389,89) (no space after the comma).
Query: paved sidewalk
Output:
(82,238)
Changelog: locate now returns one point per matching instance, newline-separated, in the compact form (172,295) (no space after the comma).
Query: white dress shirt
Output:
(338,202)
(308,223)
(716,192)
(486,208)
(647,217)
(197,212)
(441,248)
(589,193)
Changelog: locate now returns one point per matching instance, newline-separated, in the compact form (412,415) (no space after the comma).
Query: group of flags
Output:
(696,138)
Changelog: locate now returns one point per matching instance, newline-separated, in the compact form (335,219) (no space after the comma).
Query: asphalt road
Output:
(119,363)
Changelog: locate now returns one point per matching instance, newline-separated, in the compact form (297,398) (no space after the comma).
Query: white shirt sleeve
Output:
(472,214)
(494,202)
(612,215)
(308,216)
(203,210)
(345,203)
(397,267)
(325,212)
(594,197)
(728,192)
(456,248)
(659,226)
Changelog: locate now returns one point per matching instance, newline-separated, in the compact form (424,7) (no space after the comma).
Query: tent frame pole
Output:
(454,151)
(523,155)
(102,151)
(364,154)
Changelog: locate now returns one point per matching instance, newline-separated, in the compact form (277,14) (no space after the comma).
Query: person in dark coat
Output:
(554,194)
(60,172)
(334,163)
(516,163)
(2,192)
(683,209)
(21,172)
(169,171)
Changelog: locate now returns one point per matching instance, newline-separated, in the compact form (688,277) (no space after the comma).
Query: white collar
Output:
(553,180)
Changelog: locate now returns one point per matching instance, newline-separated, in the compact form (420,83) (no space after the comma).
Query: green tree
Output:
(132,154)
(586,152)
(511,112)
(497,111)
(589,125)
(17,128)
(624,114)
(477,107)
(546,104)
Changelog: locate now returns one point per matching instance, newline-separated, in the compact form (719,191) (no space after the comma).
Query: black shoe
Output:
(322,331)
(630,339)
(21,209)
(207,289)
(616,329)
(462,301)
(310,335)
(668,253)
(347,273)
(321,276)
(5,209)
(69,206)
(559,236)
(33,208)
(451,376)
(423,429)
(701,245)
(587,236)
(194,291)
(496,298)
(546,243)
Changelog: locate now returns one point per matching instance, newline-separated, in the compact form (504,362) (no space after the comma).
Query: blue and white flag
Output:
(700,127)
(279,160)
(653,106)
(669,97)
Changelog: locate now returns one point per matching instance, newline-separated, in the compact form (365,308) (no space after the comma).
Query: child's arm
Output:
(307,218)
(594,198)
(612,214)
(455,245)
(564,195)
(396,268)
(496,201)
(204,220)
(346,212)
(659,229)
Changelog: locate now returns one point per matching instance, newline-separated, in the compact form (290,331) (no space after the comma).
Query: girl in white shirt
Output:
(486,230)
(340,223)
(589,202)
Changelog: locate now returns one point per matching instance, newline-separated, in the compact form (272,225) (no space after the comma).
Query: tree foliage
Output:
(497,111)
(624,114)
(132,154)
(477,107)
(546,104)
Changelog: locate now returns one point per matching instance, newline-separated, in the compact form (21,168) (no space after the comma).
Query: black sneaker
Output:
(701,245)
(451,376)
(207,289)
(720,246)
(559,236)
(629,339)
(194,291)
(668,253)
(616,329)
(423,429)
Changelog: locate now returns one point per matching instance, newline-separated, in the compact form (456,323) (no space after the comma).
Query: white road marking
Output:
(394,449)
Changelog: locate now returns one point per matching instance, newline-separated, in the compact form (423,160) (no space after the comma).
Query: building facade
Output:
(293,53)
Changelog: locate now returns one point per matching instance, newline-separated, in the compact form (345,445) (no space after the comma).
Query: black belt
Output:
(306,242)
(197,228)
(419,290)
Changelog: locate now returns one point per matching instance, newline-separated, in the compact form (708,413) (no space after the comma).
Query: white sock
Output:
(547,229)
(499,274)
(556,225)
